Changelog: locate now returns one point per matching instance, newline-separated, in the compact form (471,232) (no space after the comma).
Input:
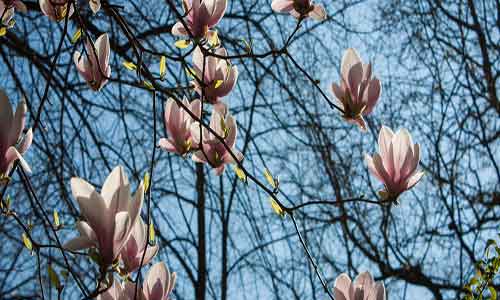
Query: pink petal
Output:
(6,116)
(414,179)
(371,167)
(350,58)
(155,285)
(218,12)
(401,143)
(103,52)
(343,287)
(78,243)
(354,78)
(178,29)
(282,5)
(372,94)
(167,145)
(17,123)
(318,13)
(26,142)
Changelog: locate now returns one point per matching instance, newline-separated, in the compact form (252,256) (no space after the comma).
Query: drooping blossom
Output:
(213,150)
(363,288)
(56,10)
(201,16)
(132,252)
(219,75)
(95,69)
(7,10)
(178,123)
(300,8)
(158,285)
(358,91)
(109,215)
(396,163)
(13,143)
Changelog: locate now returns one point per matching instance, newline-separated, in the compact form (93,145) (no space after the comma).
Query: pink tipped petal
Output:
(318,13)
(17,123)
(402,143)
(26,142)
(372,95)
(103,51)
(178,29)
(85,230)
(350,58)
(196,107)
(343,286)
(6,115)
(167,145)
(155,284)
(372,168)
(218,12)
(414,179)
(135,206)
(113,182)
(78,243)
(282,5)
(12,154)
(354,77)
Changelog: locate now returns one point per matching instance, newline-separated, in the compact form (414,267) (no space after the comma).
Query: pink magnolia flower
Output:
(95,70)
(213,151)
(358,92)
(300,8)
(363,288)
(12,141)
(7,10)
(132,252)
(396,163)
(56,10)
(178,123)
(158,285)
(110,216)
(201,16)
(219,77)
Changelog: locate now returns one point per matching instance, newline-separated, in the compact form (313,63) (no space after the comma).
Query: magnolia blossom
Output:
(396,163)
(219,76)
(132,252)
(201,16)
(178,123)
(56,10)
(213,150)
(300,8)
(7,10)
(363,288)
(95,70)
(358,92)
(158,285)
(110,216)
(12,141)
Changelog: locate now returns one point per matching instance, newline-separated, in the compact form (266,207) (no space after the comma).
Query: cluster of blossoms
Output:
(112,226)
(214,78)
(114,230)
